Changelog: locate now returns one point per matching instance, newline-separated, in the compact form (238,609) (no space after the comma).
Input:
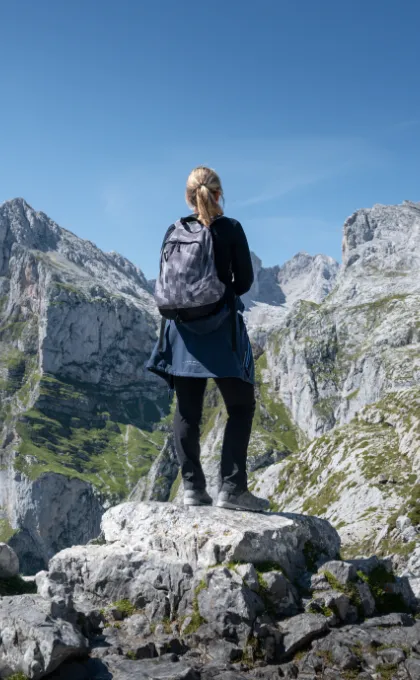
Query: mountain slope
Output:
(348,371)
(76,405)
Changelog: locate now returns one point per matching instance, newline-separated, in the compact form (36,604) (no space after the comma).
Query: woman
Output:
(214,346)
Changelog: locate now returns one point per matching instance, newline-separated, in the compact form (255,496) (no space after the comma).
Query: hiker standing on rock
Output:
(205,266)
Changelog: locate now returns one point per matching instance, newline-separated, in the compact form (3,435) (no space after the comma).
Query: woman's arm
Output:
(243,273)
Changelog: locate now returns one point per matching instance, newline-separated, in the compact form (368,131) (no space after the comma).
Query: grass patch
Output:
(175,487)
(196,619)
(320,608)
(350,589)
(272,426)
(386,670)
(319,503)
(6,531)
(124,607)
(380,582)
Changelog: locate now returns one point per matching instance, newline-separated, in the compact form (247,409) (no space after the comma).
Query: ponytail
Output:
(203,186)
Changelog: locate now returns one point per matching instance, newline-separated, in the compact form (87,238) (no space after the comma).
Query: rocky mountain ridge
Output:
(338,373)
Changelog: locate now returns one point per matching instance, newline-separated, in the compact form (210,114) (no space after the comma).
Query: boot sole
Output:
(234,506)
(192,502)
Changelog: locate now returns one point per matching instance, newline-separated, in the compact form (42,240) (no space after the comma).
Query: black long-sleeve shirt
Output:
(231,253)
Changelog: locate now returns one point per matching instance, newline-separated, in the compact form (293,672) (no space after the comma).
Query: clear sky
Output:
(309,109)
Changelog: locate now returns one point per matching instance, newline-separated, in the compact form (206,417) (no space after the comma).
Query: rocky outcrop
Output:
(33,641)
(9,563)
(194,593)
(77,408)
(161,478)
(179,544)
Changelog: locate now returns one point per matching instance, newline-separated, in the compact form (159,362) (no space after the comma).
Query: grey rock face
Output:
(52,513)
(277,289)
(158,483)
(225,601)
(380,253)
(304,277)
(31,641)
(366,599)
(9,562)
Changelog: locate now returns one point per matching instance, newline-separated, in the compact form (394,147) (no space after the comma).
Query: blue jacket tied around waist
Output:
(203,348)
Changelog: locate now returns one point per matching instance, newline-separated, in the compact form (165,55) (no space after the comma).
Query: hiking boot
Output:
(242,501)
(197,497)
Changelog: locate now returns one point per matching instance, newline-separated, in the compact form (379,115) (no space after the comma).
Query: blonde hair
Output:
(202,186)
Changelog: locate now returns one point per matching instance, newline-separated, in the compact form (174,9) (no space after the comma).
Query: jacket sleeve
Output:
(243,273)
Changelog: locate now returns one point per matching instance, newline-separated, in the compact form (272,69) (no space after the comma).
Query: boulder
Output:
(249,575)
(9,562)
(224,601)
(156,555)
(280,593)
(367,601)
(116,667)
(32,641)
(207,536)
(343,572)
(300,630)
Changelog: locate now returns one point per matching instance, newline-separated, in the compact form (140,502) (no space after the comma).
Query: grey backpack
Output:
(188,287)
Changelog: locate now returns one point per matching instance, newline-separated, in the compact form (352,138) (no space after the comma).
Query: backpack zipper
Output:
(187,243)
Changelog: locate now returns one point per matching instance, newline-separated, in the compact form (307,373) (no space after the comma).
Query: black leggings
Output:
(240,405)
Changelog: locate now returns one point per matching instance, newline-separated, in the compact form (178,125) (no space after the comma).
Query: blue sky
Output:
(308,109)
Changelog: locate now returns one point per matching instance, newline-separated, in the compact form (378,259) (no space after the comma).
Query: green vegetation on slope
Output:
(63,435)
(6,530)
(272,427)
(112,457)
(375,452)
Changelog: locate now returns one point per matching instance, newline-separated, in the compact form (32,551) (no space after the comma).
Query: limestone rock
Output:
(280,593)
(300,630)
(33,642)
(120,668)
(156,556)
(249,576)
(366,599)
(158,483)
(343,572)
(304,277)
(223,601)
(9,563)
(347,371)
(245,537)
